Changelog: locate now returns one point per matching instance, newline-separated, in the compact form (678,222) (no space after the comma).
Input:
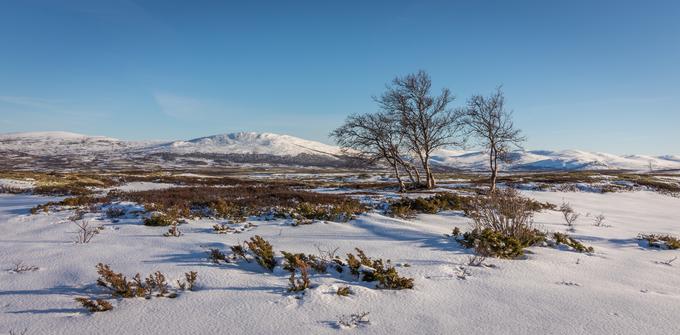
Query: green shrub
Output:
(159,219)
(343,291)
(120,287)
(407,207)
(377,270)
(491,243)
(565,239)
(262,251)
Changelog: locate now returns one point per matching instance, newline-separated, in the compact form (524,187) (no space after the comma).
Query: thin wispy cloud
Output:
(184,107)
(31,102)
(50,108)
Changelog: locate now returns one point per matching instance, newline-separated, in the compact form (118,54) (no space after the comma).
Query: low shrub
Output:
(115,212)
(502,225)
(215,256)
(80,201)
(344,291)
(173,231)
(567,240)
(492,243)
(661,241)
(189,281)
(262,251)
(238,202)
(317,263)
(20,267)
(407,207)
(61,190)
(354,320)
(223,228)
(159,219)
(118,285)
(377,270)
(94,306)
(302,283)
(239,252)
(155,284)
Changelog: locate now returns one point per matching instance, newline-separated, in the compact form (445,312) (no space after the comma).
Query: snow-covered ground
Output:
(621,289)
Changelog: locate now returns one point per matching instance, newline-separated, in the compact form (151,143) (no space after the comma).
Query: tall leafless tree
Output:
(491,124)
(376,137)
(425,120)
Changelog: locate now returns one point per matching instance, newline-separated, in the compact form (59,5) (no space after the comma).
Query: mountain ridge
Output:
(261,148)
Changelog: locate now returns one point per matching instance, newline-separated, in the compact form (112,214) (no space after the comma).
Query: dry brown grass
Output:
(98,305)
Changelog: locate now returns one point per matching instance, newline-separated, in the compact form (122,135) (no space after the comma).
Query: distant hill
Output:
(70,150)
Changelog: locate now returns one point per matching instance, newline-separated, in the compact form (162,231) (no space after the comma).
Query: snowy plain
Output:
(621,289)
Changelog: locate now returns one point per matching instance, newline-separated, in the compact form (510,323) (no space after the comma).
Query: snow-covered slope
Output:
(250,143)
(557,160)
(69,150)
(53,143)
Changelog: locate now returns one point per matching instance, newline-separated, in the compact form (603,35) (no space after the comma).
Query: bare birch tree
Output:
(376,137)
(491,124)
(425,120)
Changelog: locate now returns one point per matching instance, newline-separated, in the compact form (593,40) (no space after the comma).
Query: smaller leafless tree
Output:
(376,137)
(569,215)
(599,220)
(85,231)
(487,120)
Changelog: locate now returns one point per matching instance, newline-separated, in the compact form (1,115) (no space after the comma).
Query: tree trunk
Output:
(408,171)
(426,168)
(402,187)
(417,173)
(430,178)
(493,164)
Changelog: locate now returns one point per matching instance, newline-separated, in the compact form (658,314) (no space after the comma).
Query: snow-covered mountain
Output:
(57,143)
(63,149)
(565,160)
(249,143)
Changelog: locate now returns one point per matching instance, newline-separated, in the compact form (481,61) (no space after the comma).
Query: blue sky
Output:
(592,75)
